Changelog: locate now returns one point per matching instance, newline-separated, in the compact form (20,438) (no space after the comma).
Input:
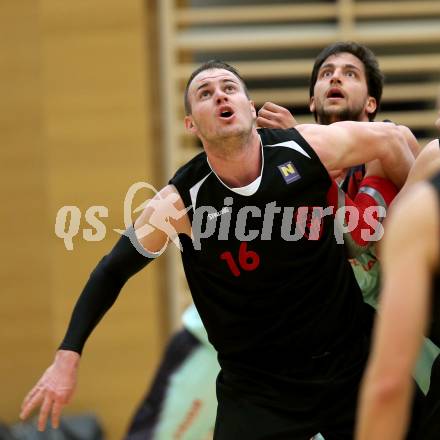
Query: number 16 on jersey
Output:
(247,260)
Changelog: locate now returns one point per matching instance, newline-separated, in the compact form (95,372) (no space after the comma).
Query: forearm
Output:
(346,144)
(387,391)
(386,396)
(98,295)
(101,291)
(384,410)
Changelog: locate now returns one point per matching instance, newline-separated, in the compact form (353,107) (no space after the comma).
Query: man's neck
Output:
(236,162)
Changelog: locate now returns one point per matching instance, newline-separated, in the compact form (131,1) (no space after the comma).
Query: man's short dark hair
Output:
(209,65)
(375,77)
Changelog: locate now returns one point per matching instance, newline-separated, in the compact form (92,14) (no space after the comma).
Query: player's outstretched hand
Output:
(274,116)
(54,389)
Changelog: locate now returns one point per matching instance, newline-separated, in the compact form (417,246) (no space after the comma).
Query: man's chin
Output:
(337,114)
(233,130)
(330,116)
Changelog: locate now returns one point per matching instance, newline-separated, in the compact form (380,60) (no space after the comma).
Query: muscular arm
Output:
(410,139)
(375,167)
(130,254)
(409,258)
(345,144)
(138,247)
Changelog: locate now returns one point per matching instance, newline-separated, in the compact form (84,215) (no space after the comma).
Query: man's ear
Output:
(312,106)
(189,124)
(371,105)
(253,109)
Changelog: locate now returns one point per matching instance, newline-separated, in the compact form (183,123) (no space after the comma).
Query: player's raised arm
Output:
(163,218)
(345,144)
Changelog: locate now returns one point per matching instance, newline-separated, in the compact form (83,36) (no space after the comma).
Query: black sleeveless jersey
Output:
(434,333)
(262,293)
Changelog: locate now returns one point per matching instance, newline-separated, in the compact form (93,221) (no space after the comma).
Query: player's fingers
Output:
(266,123)
(31,403)
(270,106)
(29,396)
(44,412)
(263,113)
(56,414)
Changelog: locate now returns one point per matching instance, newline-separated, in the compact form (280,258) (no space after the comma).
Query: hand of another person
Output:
(54,389)
(274,116)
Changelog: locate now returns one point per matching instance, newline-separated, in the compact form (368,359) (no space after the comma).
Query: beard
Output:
(326,116)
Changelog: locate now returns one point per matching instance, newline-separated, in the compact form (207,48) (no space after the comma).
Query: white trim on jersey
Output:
(292,145)
(195,190)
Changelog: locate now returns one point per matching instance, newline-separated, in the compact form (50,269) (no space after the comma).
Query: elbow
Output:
(384,388)
(397,158)
(410,140)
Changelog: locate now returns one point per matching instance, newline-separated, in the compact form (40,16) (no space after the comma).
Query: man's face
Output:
(341,91)
(220,108)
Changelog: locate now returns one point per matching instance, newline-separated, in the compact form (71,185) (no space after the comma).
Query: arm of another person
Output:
(345,144)
(409,257)
(273,115)
(426,164)
(132,252)
(410,139)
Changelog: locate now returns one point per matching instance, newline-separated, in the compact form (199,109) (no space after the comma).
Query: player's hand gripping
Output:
(54,389)
(274,116)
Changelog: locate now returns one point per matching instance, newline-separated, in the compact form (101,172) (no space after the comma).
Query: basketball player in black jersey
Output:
(351,74)
(410,308)
(280,308)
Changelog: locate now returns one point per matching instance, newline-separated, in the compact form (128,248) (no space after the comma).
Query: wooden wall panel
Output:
(80,84)
(25,306)
(100,141)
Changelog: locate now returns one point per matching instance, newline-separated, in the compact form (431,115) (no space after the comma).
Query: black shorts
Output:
(239,419)
(321,398)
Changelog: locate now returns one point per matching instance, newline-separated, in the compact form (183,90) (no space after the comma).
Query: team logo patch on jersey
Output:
(289,172)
